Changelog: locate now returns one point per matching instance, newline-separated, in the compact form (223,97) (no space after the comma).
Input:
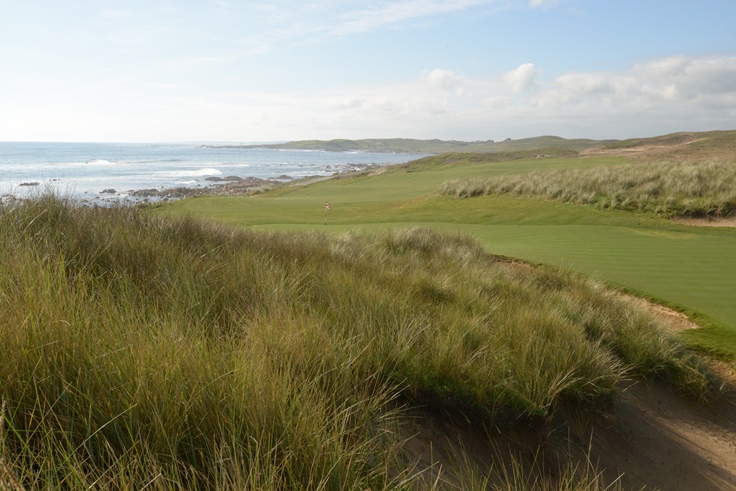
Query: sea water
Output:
(110,171)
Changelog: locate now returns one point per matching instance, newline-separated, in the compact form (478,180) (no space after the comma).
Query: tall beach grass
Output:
(153,353)
(671,188)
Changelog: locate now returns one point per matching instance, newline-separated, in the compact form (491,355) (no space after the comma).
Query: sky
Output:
(248,71)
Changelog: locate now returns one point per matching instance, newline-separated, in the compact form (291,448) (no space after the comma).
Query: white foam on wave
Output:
(238,165)
(100,162)
(207,171)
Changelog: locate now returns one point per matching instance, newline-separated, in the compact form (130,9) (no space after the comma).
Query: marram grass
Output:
(671,188)
(170,353)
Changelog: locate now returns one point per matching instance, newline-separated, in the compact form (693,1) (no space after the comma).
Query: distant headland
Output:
(408,145)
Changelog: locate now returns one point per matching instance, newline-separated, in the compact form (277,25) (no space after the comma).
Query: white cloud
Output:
(691,77)
(522,78)
(283,22)
(393,12)
(666,67)
(659,96)
(444,80)
(346,103)
(537,3)
(656,97)
(585,83)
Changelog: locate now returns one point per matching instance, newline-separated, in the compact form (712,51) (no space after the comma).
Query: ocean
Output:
(109,172)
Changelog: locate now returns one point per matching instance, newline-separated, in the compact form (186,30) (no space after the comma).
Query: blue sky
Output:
(243,71)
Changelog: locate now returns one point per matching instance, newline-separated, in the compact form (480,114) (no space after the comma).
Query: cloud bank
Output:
(653,97)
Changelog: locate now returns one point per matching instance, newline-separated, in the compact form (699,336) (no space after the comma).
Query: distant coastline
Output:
(122,172)
(409,145)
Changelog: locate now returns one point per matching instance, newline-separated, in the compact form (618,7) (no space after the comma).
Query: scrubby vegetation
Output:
(689,144)
(154,353)
(670,188)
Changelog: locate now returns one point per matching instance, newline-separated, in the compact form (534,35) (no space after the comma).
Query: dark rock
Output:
(145,192)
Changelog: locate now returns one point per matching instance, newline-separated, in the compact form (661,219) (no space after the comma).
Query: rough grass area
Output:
(669,188)
(155,353)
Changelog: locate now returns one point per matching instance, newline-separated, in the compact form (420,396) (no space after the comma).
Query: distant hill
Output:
(703,144)
(408,145)
(682,143)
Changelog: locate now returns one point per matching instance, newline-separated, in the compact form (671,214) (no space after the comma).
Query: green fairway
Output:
(681,268)
(689,268)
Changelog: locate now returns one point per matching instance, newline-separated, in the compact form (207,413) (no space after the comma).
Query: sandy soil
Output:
(639,150)
(672,147)
(667,317)
(658,439)
(708,222)
(650,438)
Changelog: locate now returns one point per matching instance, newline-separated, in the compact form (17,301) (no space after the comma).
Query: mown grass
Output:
(170,353)
(669,188)
(398,194)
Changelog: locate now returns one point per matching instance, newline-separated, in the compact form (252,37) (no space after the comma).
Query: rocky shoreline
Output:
(217,186)
(238,186)
(233,186)
(228,186)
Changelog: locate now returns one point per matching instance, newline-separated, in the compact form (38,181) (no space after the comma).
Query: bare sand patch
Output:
(708,222)
(669,318)
(658,439)
(650,438)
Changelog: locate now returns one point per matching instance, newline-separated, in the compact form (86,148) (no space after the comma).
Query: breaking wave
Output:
(205,172)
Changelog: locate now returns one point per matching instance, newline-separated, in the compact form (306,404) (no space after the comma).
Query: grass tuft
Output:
(143,352)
